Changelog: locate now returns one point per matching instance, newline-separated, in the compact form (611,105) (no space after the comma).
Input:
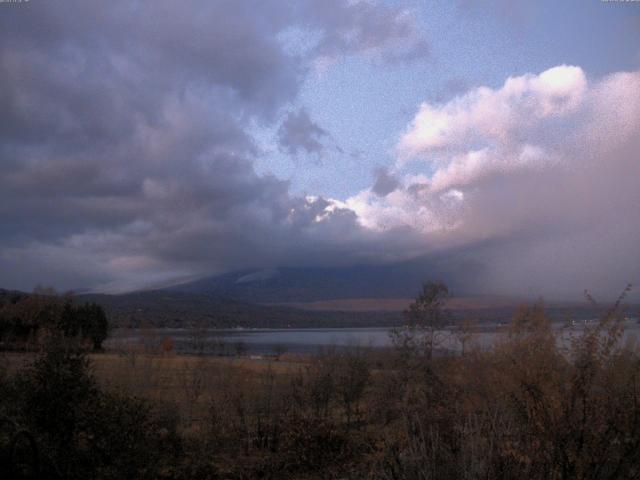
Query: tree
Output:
(68,322)
(167,345)
(465,334)
(27,317)
(94,323)
(352,377)
(426,317)
(321,386)
(82,431)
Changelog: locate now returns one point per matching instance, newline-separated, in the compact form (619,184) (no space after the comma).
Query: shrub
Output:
(82,432)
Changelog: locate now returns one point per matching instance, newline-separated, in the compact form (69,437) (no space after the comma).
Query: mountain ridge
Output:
(308,284)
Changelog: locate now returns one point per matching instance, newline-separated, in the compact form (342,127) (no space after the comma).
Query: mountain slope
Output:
(160,308)
(314,283)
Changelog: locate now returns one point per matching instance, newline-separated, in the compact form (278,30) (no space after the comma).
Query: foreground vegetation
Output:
(529,407)
(28,320)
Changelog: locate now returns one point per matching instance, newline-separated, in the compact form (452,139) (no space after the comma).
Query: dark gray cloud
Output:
(385,183)
(124,140)
(385,34)
(298,133)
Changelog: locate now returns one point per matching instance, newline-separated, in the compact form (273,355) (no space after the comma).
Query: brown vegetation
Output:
(27,321)
(529,407)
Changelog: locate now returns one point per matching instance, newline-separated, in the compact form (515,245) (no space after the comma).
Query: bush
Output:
(82,432)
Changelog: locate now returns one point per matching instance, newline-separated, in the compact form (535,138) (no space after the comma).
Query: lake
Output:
(303,340)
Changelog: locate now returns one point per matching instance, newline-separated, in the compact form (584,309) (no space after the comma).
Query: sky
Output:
(145,142)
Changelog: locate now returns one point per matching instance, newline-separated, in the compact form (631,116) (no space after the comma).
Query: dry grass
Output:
(188,381)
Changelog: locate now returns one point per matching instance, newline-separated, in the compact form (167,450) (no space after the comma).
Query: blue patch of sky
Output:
(366,106)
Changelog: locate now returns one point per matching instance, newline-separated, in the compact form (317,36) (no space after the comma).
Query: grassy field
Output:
(167,376)
(186,381)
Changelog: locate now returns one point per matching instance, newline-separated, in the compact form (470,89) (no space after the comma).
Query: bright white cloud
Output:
(543,159)
(493,117)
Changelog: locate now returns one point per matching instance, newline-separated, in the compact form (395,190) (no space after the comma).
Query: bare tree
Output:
(425,319)
(352,378)
(465,333)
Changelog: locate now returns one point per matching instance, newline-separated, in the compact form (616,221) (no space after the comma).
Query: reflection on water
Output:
(277,341)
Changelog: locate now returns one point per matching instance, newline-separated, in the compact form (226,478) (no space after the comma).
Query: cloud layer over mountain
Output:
(538,179)
(128,155)
(123,135)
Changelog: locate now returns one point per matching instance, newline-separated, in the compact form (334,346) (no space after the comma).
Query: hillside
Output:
(309,284)
(180,309)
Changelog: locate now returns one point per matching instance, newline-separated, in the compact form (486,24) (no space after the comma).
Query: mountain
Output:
(162,308)
(364,294)
(312,284)
(178,309)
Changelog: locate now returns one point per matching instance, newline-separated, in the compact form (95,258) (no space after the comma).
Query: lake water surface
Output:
(303,340)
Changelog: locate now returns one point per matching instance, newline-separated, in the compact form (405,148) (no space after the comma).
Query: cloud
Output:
(519,13)
(128,159)
(536,180)
(385,182)
(495,117)
(330,30)
(125,140)
(298,133)
(380,32)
